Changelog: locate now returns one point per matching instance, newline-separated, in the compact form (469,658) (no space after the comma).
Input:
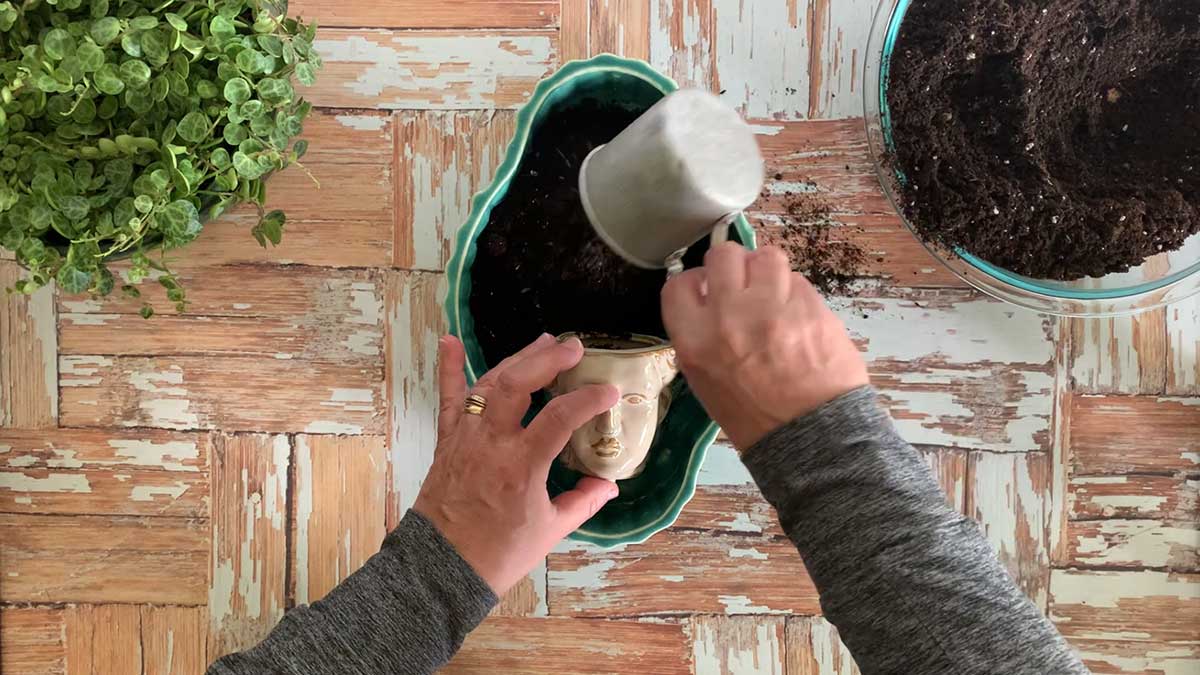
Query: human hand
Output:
(486,491)
(756,342)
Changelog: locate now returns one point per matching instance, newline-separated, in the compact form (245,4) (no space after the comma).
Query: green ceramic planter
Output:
(651,501)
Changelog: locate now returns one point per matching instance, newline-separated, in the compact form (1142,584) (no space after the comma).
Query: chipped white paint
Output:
(80,371)
(680,41)
(332,428)
(147,493)
(351,400)
(672,578)
(766,129)
(737,646)
(839,44)
(242,305)
(1109,589)
(84,306)
(170,455)
(762,55)
(1109,503)
(55,482)
(723,466)
(414,397)
(1137,543)
(1011,511)
(740,604)
(751,552)
(173,410)
(88,319)
(591,577)
(362,122)
(741,522)
(304,509)
(1106,355)
(1142,658)
(824,646)
(1183,347)
(409,69)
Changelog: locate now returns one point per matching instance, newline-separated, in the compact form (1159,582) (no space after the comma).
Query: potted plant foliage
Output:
(126,125)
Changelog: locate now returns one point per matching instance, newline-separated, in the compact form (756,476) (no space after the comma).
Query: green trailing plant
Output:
(127,124)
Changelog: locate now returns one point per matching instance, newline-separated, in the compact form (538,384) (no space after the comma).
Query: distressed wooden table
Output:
(170,487)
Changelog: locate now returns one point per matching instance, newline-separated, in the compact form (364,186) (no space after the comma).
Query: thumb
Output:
(574,507)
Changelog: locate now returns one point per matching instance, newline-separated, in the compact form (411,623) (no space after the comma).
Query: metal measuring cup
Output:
(685,169)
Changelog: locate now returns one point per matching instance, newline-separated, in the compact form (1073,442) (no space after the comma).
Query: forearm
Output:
(406,611)
(911,584)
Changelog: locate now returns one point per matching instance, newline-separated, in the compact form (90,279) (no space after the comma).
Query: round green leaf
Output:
(234,133)
(90,56)
(305,74)
(131,44)
(245,166)
(206,89)
(108,80)
(193,128)
(72,279)
(105,30)
(143,203)
(58,43)
(250,109)
(154,47)
(85,111)
(74,207)
(221,28)
(144,22)
(176,21)
(99,8)
(248,60)
(237,90)
(220,159)
(135,73)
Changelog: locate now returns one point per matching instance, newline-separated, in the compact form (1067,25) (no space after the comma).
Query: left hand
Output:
(486,491)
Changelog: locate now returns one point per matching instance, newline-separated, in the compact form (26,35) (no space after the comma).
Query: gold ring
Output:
(474,405)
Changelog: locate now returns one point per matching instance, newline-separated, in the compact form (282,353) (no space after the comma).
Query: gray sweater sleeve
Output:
(911,584)
(405,611)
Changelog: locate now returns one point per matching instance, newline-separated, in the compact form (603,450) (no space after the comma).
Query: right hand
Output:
(756,342)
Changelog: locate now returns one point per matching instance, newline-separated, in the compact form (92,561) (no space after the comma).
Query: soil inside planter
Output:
(1055,138)
(539,266)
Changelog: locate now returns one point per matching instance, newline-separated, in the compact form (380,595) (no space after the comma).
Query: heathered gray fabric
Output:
(911,585)
(406,610)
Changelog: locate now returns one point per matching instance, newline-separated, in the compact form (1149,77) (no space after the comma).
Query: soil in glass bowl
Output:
(1059,139)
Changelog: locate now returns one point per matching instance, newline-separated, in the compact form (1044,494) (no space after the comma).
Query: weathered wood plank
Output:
(559,645)
(1008,497)
(1183,348)
(1060,445)
(1145,606)
(103,559)
(104,639)
(248,587)
(1125,355)
(681,37)
(430,69)
(414,324)
(1123,434)
(31,641)
(950,469)
(274,313)
(343,219)
(681,572)
(28,366)
(831,159)
(738,644)
(173,640)
(430,13)
(528,597)
(1135,544)
(762,55)
(957,369)
(228,393)
(339,503)
(1122,657)
(621,27)
(1135,497)
(792,60)
(575,34)
(133,473)
(729,508)
(443,158)
(814,648)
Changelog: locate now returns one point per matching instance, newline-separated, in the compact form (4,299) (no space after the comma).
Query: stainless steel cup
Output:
(684,169)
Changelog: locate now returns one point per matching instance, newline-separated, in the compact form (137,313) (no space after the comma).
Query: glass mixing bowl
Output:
(1161,279)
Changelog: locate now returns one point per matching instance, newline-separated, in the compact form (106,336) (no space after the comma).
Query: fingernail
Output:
(545,338)
(612,491)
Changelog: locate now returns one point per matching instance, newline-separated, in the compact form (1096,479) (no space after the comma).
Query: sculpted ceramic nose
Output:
(609,422)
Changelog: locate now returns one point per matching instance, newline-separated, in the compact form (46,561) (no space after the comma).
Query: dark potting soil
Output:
(539,266)
(1056,138)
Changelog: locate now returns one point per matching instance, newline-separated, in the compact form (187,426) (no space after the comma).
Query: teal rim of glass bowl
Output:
(1024,283)
(457,303)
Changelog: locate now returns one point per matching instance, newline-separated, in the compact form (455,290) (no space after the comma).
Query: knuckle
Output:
(507,382)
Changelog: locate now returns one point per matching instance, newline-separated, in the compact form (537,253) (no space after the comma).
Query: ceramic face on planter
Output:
(614,445)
